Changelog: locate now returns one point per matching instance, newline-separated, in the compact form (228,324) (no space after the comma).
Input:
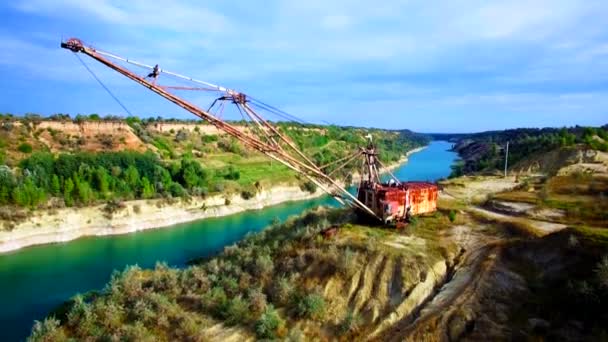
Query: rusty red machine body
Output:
(395,202)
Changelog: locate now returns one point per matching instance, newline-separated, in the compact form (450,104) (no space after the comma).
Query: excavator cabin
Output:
(393,201)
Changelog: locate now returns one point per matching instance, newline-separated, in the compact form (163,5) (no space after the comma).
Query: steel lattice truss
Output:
(261,134)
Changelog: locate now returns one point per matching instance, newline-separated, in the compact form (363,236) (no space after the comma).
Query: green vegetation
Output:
(83,178)
(264,285)
(25,148)
(241,286)
(179,162)
(485,151)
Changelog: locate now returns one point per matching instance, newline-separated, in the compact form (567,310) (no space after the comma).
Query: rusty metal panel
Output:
(423,197)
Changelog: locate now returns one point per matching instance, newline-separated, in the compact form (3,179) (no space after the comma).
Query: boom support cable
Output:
(103,85)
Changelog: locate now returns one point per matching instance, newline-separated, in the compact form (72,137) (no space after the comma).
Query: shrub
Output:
(218,187)
(281,290)
(269,324)
(47,330)
(176,190)
(215,299)
(231,285)
(257,300)
(347,263)
(452,216)
(208,138)
(311,305)
(235,311)
(232,173)
(25,148)
(309,186)
(350,323)
(263,265)
(181,135)
(247,194)
(601,271)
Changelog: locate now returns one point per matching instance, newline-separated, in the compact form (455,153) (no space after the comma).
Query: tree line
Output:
(83,178)
(485,151)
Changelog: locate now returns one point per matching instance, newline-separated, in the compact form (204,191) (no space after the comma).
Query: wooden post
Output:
(506,159)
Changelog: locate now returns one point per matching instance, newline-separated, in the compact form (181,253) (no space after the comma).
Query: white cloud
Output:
(176,16)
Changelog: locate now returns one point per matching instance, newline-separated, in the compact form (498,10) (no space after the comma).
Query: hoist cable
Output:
(103,85)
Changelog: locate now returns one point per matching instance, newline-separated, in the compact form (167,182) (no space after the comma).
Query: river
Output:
(37,279)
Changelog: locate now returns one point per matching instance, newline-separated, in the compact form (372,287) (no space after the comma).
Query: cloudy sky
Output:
(451,66)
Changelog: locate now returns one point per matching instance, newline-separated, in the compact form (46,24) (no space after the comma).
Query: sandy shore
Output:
(66,224)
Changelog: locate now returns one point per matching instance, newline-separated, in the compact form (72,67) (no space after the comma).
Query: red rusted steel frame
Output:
(311,166)
(260,127)
(282,137)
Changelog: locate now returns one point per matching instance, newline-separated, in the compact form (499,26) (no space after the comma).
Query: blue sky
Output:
(457,66)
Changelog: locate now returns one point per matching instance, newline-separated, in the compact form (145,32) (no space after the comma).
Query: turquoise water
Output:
(35,280)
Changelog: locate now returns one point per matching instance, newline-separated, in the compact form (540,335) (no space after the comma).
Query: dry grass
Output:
(511,225)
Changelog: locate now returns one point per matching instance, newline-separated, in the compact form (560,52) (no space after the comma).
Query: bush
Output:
(247,194)
(282,290)
(350,323)
(601,271)
(181,135)
(310,306)
(269,324)
(235,311)
(176,190)
(47,330)
(208,138)
(452,216)
(309,186)
(257,300)
(232,173)
(25,148)
(263,265)
(215,300)
(347,263)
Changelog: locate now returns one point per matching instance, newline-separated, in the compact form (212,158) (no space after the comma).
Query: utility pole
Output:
(506,159)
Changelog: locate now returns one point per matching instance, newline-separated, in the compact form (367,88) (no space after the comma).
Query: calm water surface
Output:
(35,280)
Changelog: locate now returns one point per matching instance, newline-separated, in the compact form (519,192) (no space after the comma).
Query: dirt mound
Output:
(88,136)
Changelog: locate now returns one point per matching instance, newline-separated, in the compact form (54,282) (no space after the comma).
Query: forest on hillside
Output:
(486,151)
(48,167)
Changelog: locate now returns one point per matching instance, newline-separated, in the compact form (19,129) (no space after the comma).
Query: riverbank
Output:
(66,224)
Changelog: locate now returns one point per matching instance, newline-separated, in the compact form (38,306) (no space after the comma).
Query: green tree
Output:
(102,180)
(27,194)
(132,177)
(7,184)
(147,189)
(83,188)
(68,189)
(55,185)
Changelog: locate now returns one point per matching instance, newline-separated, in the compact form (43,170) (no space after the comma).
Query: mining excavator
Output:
(392,201)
